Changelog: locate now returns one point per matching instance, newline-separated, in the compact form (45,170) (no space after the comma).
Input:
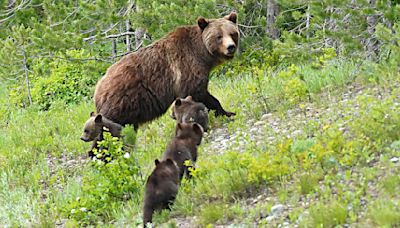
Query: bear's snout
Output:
(231,49)
(84,139)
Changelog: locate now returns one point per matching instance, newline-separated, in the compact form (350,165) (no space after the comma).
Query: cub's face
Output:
(180,106)
(191,131)
(92,128)
(220,36)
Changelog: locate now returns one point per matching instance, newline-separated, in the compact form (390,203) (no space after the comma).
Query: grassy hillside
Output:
(312,145)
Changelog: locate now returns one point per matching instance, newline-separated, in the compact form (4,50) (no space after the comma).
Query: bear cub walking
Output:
(188,111)
(184,146)
(94,128)
(161,188)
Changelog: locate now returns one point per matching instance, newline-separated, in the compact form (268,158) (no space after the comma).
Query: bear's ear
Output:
(169,161)
(157,162)
(198,129)
(232,17)
(189,98)
(92,114)
(98,118)
(178,128)
(173,116)
(202,22)
(178,102)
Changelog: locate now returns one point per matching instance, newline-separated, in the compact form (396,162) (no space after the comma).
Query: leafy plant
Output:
(109,182)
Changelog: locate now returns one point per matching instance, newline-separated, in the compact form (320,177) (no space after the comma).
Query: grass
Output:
(329,173)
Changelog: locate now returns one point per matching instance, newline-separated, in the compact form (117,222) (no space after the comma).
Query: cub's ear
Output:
(178,102)
(178,128)
(92,114)
(232,17)
(198,129)
(173,116)
(189,98)
(157,162)
(98,118)
(170,162)
(202,22)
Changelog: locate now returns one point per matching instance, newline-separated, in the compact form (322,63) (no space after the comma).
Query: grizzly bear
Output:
(187,111)
(161,188)
(142,85)
(94,128)
(183,146)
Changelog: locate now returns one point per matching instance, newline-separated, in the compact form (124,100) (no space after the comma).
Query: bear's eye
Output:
(234,35)
(219,38)
(86,131)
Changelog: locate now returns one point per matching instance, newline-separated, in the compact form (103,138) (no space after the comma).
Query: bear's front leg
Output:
(212,103)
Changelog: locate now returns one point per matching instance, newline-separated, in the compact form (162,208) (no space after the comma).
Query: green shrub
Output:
(328,214)
(60,79)
(107,185)
(385,213)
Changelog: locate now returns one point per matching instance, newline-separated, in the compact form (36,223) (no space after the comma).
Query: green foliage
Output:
(328,214)
(58,79)
(210,214)
(340,162)
(385,213)
(112,180)
(308,182)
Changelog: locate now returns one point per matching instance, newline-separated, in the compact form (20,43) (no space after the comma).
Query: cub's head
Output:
(189,131)
(93,127)
(188,111)
(220,36)
(179,106)
(165,168)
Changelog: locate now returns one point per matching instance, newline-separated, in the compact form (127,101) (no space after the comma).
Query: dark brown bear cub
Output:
(142,85)
(184,146)
(161,189)
(94,128)
(188,111)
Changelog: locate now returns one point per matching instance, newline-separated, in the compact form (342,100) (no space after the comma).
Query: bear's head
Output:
(188,111)
(166,168)
(189,131)
(220,36)
(179,106)
(93,127)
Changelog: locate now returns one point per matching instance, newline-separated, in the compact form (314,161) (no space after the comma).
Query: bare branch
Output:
(25,67)
(249,26)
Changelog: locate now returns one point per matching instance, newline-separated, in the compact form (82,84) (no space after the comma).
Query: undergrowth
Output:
(46,178)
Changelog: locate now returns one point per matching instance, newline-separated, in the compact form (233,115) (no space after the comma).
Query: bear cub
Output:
(187,111)
(184,146)
(161,188)
(94,128)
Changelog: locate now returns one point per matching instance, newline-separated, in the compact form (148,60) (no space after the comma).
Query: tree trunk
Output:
(308,22)
(372,44)
(114,48)
(272,12)
(139,35)
(25,68)
(128,37)
(330,25)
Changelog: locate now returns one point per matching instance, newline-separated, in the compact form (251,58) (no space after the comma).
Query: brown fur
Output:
(184,145)
(94,128)
(161,188)
(188,111)
(142,85)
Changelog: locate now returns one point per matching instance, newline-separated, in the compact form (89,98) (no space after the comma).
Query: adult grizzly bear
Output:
(142,85)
